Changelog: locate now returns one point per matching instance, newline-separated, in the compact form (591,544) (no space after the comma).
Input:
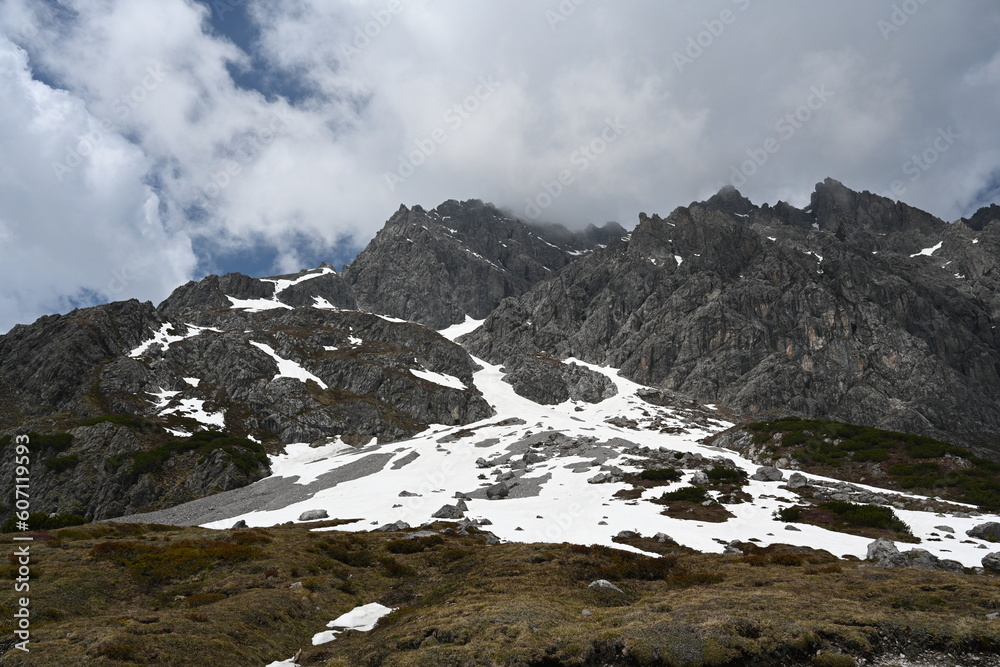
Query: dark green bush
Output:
(694,494)
(726,475)
(866,516)
(58,464)
(789,514)
(661,475)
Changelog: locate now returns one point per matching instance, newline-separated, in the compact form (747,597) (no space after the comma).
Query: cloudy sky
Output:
(149,142)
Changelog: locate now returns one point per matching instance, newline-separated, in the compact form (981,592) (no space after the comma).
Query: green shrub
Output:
(58,464)
(866,516)
(661,475)
(726,475)
(694,494)
(871,455)
(789,514)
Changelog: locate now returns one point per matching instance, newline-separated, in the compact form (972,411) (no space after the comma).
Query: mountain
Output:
(522,438)
(461,259)
(855,308)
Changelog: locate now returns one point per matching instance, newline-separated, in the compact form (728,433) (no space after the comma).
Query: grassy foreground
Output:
(119,594)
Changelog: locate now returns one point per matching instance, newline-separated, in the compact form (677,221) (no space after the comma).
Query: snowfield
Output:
(547,456)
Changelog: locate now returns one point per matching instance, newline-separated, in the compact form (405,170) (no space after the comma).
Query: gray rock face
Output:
(462,258)
(313,515)
(986,531)
(810,323)
(550,382)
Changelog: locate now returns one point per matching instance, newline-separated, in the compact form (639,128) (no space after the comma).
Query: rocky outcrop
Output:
(848,309)
(462,258)
(550,381)
(883,552)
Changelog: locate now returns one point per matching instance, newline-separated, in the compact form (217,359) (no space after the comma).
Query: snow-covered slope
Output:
(551,461)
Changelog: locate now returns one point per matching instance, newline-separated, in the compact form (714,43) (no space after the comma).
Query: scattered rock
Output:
(884,553)
(991,562)
(239,524)
(449,512)
(945,529)
(313,515)
(604,585)
(407,494)
(699,477)
(793,528)
(497,491)
(989,531)
(662,538)
(586,612)
(797,480)
(392,527)
(768,474)
(627,535)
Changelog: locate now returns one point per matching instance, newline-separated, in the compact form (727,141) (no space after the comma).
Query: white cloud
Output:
(383,83)
(76,217)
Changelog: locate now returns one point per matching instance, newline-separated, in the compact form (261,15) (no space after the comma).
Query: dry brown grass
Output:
(461,602)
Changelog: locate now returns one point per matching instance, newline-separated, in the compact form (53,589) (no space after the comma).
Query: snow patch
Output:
(362,619)
(281,284)
(439,378)
(457,330)
(928,251)
(256,305)
(288,368)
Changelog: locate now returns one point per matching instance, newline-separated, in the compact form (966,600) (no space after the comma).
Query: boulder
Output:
(313,515)
(797,480)
(497,491)
(393,527)
(239,524)
(768,474)
(991,562)
(449,512)
(989,531)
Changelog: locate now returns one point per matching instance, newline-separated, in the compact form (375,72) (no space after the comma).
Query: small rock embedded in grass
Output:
(604,585)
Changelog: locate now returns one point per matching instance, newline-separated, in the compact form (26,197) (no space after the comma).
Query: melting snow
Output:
(457,330)
(193,408)
(441,461)
(165,339)
(256,305)
(361,619)
(323,304)
(439,378)
(194,382)
(928,251)
(281,284)
(288,368)
(678,259)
